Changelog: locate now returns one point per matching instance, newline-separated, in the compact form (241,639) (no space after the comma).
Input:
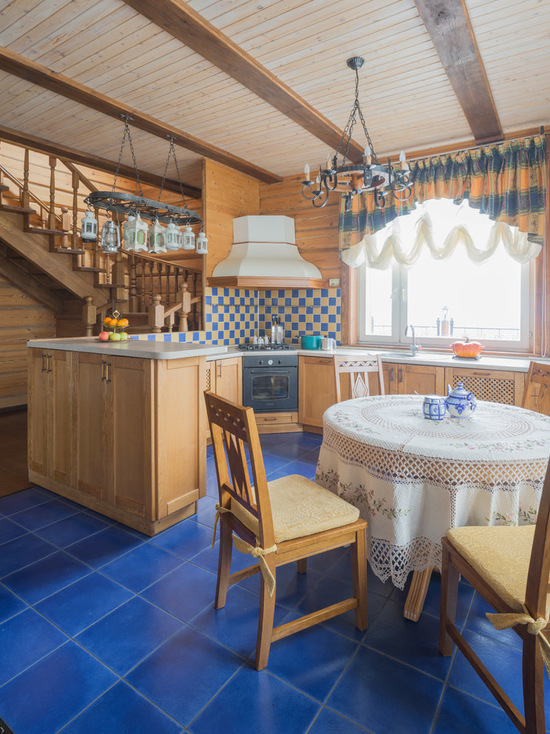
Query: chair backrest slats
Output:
(235,439)
(539,399)
(358,370)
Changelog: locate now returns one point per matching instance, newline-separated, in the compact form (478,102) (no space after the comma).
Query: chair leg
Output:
(449,596)
(224,564)
(533,686)
(265,622)
(302,565)
(359,575)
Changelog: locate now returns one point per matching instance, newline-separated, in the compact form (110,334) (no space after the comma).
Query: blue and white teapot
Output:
(460,403)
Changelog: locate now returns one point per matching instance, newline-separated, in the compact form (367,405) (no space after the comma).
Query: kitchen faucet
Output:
(414,346)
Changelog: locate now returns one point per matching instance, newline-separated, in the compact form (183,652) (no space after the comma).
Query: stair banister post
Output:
(75,211)
(65,225)
(89,315)
(25,199)
(133,286)
(156,315)
(51,219)
(118,277)
(185,300)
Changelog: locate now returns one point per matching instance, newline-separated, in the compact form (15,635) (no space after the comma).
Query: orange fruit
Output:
(107,321)
(123,322)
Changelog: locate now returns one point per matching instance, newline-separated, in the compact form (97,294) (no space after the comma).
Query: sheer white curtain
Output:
(440,226)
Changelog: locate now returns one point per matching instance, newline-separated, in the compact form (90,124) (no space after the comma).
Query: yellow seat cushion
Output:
(500,555)
(300,507)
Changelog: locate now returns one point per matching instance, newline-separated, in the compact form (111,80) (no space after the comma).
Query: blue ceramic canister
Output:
(434,407)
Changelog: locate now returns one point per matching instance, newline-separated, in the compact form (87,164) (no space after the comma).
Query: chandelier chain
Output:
(128,135)
(172,153)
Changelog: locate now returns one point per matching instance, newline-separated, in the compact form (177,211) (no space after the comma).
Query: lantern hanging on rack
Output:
(188,238)
(202,244)
(138,206)
(110,237)
(156,237)
(88,227)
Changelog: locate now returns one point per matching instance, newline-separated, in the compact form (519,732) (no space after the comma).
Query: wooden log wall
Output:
(226,194)
(316,229)
(21,318)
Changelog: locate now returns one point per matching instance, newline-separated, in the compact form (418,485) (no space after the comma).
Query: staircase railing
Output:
(139,283)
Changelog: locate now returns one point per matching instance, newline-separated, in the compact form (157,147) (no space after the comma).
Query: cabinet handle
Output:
(103,371)
(401,374)
(108,371)
(391,374)
(44,357)
(269,419)
(49,358)
(220,370)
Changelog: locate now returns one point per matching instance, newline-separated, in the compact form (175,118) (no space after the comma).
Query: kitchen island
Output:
(119,427)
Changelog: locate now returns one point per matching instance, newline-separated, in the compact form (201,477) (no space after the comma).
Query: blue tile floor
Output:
(105,630)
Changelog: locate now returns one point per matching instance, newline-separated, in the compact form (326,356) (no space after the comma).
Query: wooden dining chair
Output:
(358,371)
(509,567)
(537,393)
(278,522)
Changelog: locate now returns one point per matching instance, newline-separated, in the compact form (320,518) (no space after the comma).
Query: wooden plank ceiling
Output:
(265,87)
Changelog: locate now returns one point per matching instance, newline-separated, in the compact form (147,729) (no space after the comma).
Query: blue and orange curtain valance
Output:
(504,181)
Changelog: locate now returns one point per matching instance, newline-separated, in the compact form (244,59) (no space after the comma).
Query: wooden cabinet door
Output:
(391,377)
(61,439)
(421,379)
(317,390)
(39,411)
(229,379)
(496,386)
(94,452)
(130,404)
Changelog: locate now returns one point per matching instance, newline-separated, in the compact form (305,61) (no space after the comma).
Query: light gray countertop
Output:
(130,348)
(177,350)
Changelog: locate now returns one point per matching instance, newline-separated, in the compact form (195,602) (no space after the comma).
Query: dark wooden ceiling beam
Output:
(32,72)
(92,161)
(449,26)
(182,22)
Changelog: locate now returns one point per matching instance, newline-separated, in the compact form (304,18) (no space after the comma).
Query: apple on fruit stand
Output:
(104,336)
(114,336)
(123,336)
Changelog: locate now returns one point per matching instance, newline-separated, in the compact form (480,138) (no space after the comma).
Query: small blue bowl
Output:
(311,342)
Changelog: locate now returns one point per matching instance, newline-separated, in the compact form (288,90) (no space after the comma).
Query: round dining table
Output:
(413,479)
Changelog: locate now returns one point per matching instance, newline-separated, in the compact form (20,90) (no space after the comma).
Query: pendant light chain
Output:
(172,153)
(128,135)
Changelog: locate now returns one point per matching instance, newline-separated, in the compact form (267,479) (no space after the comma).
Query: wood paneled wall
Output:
(21,318)
(316,229)
(226,194)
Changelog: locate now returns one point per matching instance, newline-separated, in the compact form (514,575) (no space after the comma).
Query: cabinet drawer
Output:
(276,418)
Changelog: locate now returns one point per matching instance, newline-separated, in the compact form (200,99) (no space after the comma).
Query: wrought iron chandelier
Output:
(349,178)
(137,234)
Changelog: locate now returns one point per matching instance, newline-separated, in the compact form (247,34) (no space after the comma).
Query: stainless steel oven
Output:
(270,382)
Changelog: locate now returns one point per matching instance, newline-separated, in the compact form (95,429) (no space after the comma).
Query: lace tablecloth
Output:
(413,479)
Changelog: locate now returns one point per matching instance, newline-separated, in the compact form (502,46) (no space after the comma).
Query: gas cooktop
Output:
(251,347)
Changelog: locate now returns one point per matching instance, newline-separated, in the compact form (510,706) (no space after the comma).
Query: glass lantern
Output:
(172,237)
(88,227)
(202,244)
(110,237)
(135,234)
(188,238)
(156,237)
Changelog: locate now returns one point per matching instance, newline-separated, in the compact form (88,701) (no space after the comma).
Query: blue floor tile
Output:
(292,586)
(109,640)
(463,714)
(83,603)
(71,529)
(303,468)
(206,511)
(329,722)
(103,547)
(24,639)
(182,676)
(478,622)
(141,567)
(23,500)
(53,691)
(236,624)
(10,530)
(385,696)
(185,539)
(415,643)
(21,552)
(265,704)
(311,660)
(185,592)
(9,604)
(37,517)
(37,581)
(433,599)
(208,559)
(120,710)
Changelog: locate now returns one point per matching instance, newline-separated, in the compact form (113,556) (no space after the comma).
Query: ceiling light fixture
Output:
(350,178)
(137,208)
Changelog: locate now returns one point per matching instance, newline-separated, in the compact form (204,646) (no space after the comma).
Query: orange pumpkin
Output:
(467,348)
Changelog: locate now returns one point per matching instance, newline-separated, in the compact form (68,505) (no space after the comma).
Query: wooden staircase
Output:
(41,253)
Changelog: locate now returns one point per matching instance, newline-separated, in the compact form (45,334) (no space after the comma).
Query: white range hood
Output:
(264,250)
